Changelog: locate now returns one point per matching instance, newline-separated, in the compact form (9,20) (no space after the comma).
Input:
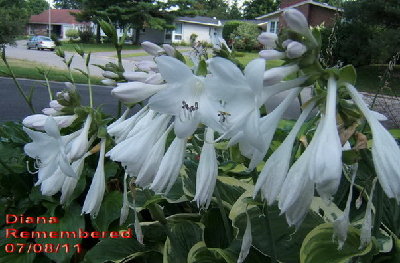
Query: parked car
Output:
(40,43)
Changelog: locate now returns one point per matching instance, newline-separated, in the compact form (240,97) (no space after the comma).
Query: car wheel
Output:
(51,49)
(28,47)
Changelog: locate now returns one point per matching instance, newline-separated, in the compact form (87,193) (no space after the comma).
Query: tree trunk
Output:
(137,36)
(98,33)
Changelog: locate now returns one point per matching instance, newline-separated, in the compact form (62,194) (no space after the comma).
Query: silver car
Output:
(40,43)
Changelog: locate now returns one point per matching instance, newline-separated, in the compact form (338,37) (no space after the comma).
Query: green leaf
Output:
(182,237)
(318,246)
(179,56)
(82,72)
(395,133)
(202,68)
(214,230)
(390,257)
(18,257)
(110,210)
(113,249)
(199,253)
(71,221)
(348,74)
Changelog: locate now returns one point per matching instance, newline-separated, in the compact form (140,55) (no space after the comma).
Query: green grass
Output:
(27,69)
(137,54)
(368,80)
(107,47)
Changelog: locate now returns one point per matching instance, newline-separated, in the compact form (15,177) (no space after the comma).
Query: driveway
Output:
(51,59)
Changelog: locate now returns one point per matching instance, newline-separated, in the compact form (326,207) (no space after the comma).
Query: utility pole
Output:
(50,18)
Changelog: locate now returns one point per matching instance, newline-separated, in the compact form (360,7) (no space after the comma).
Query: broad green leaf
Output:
(71,221)
(348,74)
(395,133)
(110,210)
(18,257)
(199,253)
(113,249)
(318,246)
(179,56)
(202,68)
(182,237)
(231,189)
(214,230)
(390,257)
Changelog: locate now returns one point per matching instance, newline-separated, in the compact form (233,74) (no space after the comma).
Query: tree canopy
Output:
(35,7)
(255,8)
(13,17)
(68,4)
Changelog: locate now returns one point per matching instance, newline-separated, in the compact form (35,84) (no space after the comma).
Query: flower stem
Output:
(48,86)
(378,210)
(223,215)
(155,210)
(89,87)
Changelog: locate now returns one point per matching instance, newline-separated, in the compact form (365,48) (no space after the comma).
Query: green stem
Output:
(270,236)
(90,88)
(119,109)
(155,210)
(223,215)
(48,87)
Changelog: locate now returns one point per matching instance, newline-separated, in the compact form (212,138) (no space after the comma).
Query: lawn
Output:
(106,47)
(27,69)
(368,79)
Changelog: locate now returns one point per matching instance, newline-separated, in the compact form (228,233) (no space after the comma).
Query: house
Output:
(315,12)
(60,20)
(206,28)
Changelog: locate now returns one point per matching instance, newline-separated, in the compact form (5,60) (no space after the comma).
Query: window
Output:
(178,31)
(273,28)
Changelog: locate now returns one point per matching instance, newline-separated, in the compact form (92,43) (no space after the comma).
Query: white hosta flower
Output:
(207,172)
(80,144)
(365,236)
(246,241)
(271,54)
(110,75)
(135,76)
(70,86)
(274,172)
(297,22)
(146,65)
(154,79)
(170,166)
(170,50)
(326,164)
(53,184)
(37,121)
(295,49)
(185,97)
(286,43)
(125,203)
(132,92)
(275,75)
(56,105)
(138,228)
(50,112)
(95,194)
(385,150)
(153,160)
(341,224)
(152,48)
(69,184)
(268,39)
(109,82)
(132,152)
(49,151)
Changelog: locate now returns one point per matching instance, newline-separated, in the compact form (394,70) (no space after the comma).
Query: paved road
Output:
(13,108)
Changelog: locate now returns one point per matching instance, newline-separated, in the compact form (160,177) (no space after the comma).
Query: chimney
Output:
(287,3)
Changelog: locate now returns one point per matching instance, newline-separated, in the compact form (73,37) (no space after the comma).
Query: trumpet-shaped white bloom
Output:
(37,121)
(295,49)
(341,224)
(246,241)
(95,194)
(365,236)
(274,172)
(132,92)
(170,166)
(268,39)
(326,163)
(385,151)
(276,75)
(185,97)
(69,184)
(80,144)
(54,156)
(207,171)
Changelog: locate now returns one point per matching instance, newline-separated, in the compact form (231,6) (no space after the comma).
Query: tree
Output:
(68,4)
(13,17)
(234,11)
(255,8)
(36,7)
(212,8)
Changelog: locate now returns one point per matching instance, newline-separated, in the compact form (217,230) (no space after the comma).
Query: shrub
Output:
(55,39)
(245,37)
(193,38)
(72,34)
(86,36)
(228,29)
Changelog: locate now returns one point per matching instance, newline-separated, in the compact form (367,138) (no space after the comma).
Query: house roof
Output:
(201,20)
(324,5)
(57,16)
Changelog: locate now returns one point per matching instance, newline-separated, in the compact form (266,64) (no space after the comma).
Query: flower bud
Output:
(268,39)
(50,112)
(286,43)
(37,121)
(154,79)
(271,54)
(295,49)
(275,75)
(109,82)
(296,21)
(133,92)
(69,85)
(152,48)
(55,105)
(110,75)
(170,50)
(135,76)
(146,65)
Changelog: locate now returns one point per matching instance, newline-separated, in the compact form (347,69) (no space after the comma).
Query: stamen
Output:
(28,169)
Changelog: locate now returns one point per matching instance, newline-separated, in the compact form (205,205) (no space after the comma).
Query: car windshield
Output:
(45,38)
